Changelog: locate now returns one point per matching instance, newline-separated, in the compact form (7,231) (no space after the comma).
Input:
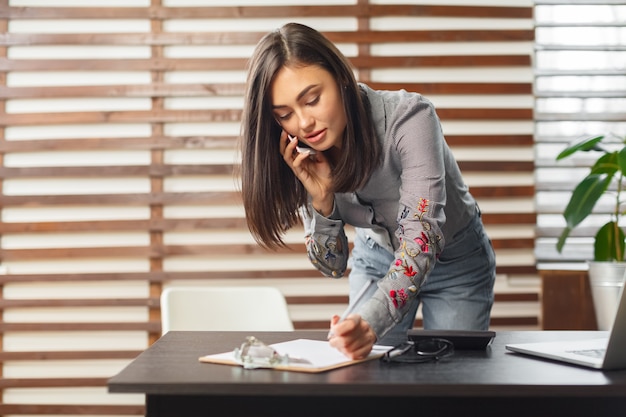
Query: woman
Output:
(321,148)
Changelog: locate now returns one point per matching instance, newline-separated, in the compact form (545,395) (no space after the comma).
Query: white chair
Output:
(249,308)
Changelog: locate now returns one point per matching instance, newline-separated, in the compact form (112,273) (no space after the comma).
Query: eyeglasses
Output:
(253,354)
(418,352)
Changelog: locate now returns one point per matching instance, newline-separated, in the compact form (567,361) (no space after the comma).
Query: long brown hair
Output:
(271,192)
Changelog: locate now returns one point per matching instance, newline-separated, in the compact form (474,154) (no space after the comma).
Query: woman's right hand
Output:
(313,171)
(353,336)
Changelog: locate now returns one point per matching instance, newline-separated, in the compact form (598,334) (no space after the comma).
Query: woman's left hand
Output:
(353,336)
(313,172)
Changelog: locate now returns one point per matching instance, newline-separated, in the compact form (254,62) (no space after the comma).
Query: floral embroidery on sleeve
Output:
(326,254)
(406,263)
(398,297)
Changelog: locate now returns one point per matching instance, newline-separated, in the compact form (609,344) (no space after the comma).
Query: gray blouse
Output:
(414,202)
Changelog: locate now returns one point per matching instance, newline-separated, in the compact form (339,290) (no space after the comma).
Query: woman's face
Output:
(307,103)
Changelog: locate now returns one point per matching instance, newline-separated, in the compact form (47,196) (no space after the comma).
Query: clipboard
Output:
(308,356)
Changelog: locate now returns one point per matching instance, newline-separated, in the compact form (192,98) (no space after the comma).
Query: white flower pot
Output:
(606,280)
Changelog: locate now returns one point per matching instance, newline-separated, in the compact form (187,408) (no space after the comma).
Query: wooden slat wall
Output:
(88,244)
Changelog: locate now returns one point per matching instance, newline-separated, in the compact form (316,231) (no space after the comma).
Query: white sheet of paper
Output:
(319,353)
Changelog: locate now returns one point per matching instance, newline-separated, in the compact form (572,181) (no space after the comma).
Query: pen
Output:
(351,307)
(401,350)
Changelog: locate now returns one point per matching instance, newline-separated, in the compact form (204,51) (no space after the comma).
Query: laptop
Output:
(602,353)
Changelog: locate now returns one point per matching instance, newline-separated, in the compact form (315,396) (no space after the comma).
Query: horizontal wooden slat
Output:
(515,321)
(71,409)
(153,170)
(372,37)
(214,142)
(505,297)
(221,115)
(495,321)
(80,327)
(209,275)
(492,141)
(503,11)
(6,356)
(51,382)
(157,170)
(152,39)
(148,90)
(501,191)
(501,165)
(156,64)
(243,12)
(251,38)
(206,64)
(160,276)
(513,243)
(310,325)
(158,251)
(123,143)
(155,302)
(155,327)
(343,299)
(485,114)
(73,302)
(148,116)
(153,225)
(510,218)
(233,89)
(487,88)
(142,251)
(316,299)
(161,225)
(516,269)
(205,198)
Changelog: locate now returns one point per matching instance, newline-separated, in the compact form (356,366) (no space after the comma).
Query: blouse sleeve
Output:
(419,142)
(326,241)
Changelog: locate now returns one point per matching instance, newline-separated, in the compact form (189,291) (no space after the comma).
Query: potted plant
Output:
(606,177)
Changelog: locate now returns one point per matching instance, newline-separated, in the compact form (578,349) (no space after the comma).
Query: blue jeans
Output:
(458,293)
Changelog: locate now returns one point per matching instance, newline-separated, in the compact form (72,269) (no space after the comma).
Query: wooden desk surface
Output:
(171,375)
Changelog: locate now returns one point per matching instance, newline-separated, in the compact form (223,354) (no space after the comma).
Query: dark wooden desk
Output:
(469,383)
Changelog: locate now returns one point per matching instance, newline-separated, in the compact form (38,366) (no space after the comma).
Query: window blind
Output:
(580,89)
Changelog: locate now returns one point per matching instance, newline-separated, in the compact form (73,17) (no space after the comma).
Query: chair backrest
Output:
(252,308)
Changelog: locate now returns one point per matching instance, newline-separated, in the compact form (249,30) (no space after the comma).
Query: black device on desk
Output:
(461,339)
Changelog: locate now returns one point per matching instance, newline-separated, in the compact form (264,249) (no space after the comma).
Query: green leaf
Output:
(562,239)
(607,164)
(584,198)
(586,145)
(609,243)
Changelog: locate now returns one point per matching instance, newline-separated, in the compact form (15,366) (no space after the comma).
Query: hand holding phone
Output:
(301,148)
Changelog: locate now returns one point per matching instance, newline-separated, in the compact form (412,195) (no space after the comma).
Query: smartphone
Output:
(301,148)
